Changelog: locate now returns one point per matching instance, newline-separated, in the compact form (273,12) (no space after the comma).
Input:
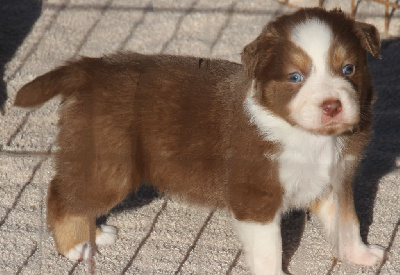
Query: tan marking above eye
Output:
(301,62)
(297,60)
(340,57)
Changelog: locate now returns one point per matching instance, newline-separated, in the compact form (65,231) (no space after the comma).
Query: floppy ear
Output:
(257,53)
(369,38)
(249,58)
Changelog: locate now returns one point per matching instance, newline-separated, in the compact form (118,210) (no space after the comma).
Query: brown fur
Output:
(180,125)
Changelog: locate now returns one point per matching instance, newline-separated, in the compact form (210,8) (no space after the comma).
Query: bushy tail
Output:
(63,80)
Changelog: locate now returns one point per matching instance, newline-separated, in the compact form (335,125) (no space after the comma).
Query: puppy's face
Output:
(310,69)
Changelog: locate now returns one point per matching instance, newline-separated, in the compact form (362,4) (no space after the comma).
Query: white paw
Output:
(80,252)
(108,235)
(367,255)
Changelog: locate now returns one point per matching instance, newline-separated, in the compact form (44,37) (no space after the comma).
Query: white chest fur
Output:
(308,164)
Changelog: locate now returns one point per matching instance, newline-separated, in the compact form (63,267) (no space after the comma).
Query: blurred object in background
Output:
(361,11)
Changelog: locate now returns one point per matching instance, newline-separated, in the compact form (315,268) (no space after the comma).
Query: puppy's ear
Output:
(257,53)
(249,57)
(369,38)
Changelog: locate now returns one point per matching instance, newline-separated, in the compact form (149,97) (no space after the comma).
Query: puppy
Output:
(283,131)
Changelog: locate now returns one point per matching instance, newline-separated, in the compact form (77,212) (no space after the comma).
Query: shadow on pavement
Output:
(292,230)
(384,147)
(16,20)
(145,195)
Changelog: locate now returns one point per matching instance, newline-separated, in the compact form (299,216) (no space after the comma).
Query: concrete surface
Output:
(158,235)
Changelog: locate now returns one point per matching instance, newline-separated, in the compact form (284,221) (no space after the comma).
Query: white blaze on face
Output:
(315,37)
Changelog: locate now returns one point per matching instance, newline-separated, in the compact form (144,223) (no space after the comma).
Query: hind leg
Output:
(71,220)
(69,230)
(72,234)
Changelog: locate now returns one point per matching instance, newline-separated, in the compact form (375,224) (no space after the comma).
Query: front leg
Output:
(337,214)
(262,244)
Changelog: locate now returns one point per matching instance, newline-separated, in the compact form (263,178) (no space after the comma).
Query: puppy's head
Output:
(310,68)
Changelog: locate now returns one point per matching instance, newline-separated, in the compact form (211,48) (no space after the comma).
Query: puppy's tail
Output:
(63,80)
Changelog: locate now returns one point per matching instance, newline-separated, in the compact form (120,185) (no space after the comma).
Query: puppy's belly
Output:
(198,181)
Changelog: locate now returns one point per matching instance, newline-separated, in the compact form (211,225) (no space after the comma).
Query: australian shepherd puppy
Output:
(284,130)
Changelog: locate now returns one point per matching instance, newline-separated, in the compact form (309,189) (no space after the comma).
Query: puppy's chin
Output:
(332,129)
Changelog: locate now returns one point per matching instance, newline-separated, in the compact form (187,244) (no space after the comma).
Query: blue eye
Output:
(348,69)
(295,77)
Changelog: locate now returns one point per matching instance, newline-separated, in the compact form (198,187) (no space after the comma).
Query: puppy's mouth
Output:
(334,128)
(335,125)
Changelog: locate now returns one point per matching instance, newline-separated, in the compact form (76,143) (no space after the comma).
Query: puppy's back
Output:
(134,117)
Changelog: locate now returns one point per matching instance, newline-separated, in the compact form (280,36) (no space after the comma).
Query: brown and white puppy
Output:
(284,130)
